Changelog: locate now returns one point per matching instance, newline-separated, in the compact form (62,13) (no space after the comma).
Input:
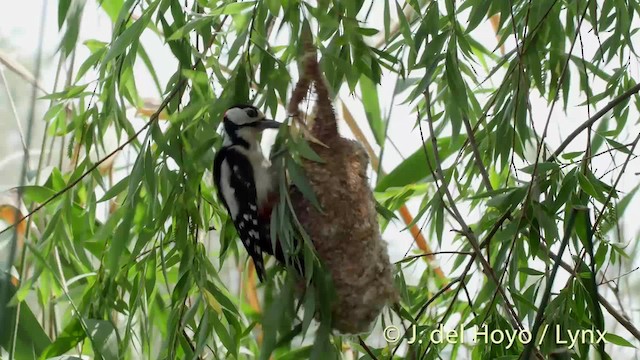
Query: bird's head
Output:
(243,124)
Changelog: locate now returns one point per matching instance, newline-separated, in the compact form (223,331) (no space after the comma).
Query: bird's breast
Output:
(262,175)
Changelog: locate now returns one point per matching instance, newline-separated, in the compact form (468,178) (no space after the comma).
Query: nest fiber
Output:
(346,233)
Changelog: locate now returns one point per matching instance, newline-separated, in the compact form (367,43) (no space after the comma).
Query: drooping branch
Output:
(466,230)
(154,117)
(592,120)
(546,295)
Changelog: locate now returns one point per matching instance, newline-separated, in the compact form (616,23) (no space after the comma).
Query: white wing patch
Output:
(263,177)
(227,191)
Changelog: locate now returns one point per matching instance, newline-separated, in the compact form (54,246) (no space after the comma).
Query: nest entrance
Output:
(346,234)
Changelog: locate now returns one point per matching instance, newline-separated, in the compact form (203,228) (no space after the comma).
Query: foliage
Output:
(140,282)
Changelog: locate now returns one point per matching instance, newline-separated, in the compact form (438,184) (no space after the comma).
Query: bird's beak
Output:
(267,124)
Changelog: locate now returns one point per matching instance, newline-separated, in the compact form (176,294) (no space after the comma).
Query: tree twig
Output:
(4,287)
(409,258)
(624,96)
(615,184)
(20,70)
(476,154)
(444,290)
(621,319)
(176,89)
(404,210)
(466,230)
(366,348)
(153,118)
(547,292)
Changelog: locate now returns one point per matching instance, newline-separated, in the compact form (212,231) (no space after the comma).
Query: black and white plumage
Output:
(245,181)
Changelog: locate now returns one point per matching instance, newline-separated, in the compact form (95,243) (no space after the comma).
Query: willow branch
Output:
(476,154)
(547,291)
(622,320)
(154,117)
(20,70)
(624,96)
(409,258)
(466,230)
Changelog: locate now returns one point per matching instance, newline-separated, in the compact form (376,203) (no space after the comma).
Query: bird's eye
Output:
(252,113)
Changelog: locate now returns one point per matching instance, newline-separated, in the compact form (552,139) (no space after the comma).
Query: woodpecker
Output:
(245,181)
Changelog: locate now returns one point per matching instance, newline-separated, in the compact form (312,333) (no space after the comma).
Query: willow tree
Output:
(126,252)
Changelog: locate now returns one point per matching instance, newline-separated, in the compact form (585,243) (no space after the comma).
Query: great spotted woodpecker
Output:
(245,181)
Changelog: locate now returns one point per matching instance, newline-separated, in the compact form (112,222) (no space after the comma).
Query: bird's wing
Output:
(236,188)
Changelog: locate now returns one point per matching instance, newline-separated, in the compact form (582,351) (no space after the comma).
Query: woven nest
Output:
(346,234)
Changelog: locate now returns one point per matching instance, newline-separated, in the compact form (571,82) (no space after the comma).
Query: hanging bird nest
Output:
(345,233)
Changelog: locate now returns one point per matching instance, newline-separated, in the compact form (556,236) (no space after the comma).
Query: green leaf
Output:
(405,28)
(66,340)
(187,29)
(367,31)
(415,167)
(322,348)
(112,8)
(221,297)
(142,53)
(73,14)
(233,8)
(115,189)
(53,112)
(272,320)
(597,140)
(241,85)
(103,338)
(63,8)
(588,187)
(386,20)
(617,340)
(621,207)
(37,194)
(572,155)
(371,104)
(302,147)
(92,61)
(70,92)
(223,333)
(301,182)
(616,145)
(119,241)
(295,354)
(530,271)
(543,167)
(478,13)
(31,339)
(309,309)
(454,80)
(129,36)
